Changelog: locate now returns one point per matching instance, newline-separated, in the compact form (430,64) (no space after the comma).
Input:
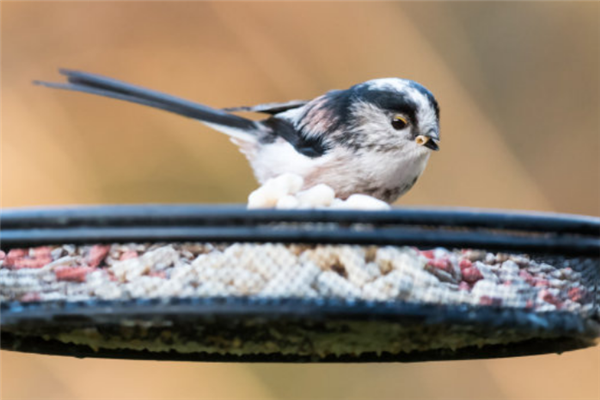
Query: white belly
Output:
(383,175)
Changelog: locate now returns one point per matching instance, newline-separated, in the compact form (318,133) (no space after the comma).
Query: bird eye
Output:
(399,122)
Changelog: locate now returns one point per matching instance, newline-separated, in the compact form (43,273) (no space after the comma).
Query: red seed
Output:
(576,294)
(542,283)
(490,301)
(73,274)
(160,274)
(19,258)
(527,277)
(465,263)
(529,304)
(14,255)
(464,286)
(2,255)
(31,262)
(18,253)
(471,275)
(549,298)
(128,254)
(43,251)
(31,296)
(429,254)
(97,254)
(442,264)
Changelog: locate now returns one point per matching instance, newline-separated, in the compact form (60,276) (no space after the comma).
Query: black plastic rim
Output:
(466,228)
(569,331)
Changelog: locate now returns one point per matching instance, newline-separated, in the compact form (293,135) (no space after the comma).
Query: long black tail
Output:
(103,86)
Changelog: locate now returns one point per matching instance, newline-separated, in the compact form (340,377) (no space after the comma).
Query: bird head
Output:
(395,113)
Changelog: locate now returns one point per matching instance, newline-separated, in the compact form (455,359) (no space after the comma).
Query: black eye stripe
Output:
(394,102)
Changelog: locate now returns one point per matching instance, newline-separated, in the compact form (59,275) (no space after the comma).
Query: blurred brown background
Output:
(518,85)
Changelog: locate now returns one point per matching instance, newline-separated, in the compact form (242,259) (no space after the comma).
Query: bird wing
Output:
(268,108)
(309,146)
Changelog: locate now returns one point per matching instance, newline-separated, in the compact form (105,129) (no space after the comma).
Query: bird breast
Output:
(384,175)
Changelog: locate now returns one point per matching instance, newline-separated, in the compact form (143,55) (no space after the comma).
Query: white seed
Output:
(287,202)
(317,196)
(363,202)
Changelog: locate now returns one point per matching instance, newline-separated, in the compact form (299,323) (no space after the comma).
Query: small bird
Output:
(374,138)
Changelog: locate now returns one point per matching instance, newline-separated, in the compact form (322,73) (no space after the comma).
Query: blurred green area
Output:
(518,85)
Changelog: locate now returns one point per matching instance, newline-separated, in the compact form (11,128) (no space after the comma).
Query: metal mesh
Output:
(272,270)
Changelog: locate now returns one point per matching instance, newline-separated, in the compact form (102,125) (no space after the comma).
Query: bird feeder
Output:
(200,283)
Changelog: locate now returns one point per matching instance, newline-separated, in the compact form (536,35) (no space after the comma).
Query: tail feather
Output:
(230,124)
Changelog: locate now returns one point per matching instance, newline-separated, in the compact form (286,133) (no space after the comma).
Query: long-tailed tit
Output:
(374,138)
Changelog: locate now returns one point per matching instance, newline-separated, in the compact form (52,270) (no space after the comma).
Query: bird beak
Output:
(430,140)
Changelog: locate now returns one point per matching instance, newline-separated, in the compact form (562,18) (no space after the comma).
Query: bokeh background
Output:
(518,85)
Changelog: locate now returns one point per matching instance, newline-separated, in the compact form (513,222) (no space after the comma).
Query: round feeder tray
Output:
(207,283)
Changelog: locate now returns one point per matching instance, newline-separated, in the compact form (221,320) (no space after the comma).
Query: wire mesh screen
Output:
(298,301)
(272,270)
